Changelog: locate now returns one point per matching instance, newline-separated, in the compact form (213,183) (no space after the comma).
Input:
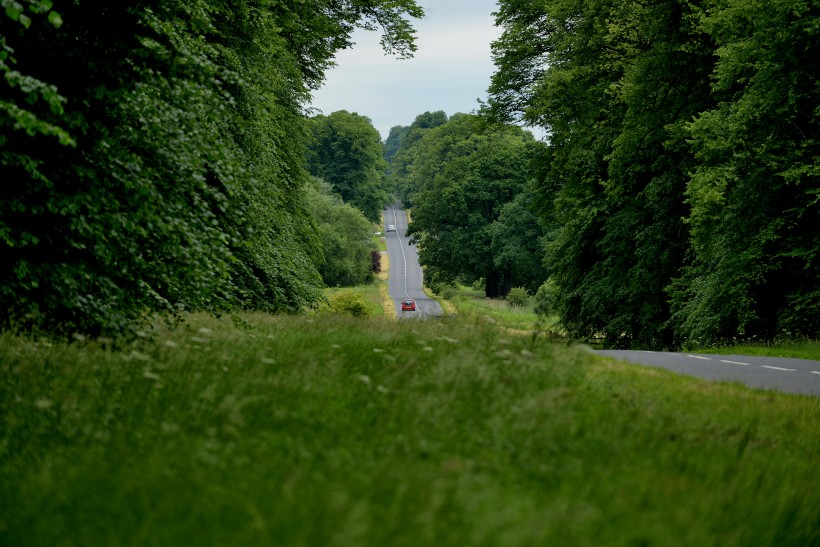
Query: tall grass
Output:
(335,431)
(796,348)
(473,303)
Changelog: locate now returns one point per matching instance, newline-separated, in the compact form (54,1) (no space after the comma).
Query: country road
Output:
(405,278)
(788,375)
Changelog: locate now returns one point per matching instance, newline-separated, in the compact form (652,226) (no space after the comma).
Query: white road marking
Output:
(779,368)
(404,257)
(699,357)
(735,363)
(815,371)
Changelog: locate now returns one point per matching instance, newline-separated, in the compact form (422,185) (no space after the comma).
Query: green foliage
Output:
(518,297)
(754,192)
(348,302)
(346,431)
(679,190)
(345,237)
(545,299)
(402,159)
(394,142)
(156,163)
(464,179)
(19,89)
(347,152)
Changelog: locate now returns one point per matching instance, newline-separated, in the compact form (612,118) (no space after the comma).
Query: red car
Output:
(408,304)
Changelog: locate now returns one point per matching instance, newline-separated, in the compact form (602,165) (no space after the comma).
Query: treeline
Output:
(680,186)
(469,185)
(153,155)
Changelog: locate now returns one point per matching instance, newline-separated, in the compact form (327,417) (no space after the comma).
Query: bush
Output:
(545,298)
(448,292)
(376,260)
(348,303)
(518,297)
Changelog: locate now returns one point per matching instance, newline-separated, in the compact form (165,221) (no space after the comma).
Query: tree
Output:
(156,162)
(517,242)
(347,152)
(461,180)
(394,141)
(345,236)
(613,84)
(755,219)
(400,162)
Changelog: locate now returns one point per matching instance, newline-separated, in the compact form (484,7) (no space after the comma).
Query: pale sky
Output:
(450,71)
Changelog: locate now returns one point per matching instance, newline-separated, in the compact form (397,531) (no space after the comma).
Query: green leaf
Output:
(55,19)
(14,11)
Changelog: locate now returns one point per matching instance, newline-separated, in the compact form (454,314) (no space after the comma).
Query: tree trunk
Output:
(492,287)
(507,284)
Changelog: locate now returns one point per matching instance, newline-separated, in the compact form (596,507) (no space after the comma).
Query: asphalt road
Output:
(406,278)
(788,375)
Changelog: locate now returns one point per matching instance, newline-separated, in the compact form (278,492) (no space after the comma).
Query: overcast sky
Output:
(450,71)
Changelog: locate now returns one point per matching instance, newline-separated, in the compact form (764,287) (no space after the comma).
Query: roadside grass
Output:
(798,349)
(383,278)
(371,292)
(327,430)
(472,302)
(378,235)
(379,241)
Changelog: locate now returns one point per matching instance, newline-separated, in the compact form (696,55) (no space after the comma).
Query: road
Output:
(406,278)
(789,375)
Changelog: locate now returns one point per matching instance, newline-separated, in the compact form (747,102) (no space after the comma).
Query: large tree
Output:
(613,83)
(347,152)
(399,175)
(152,154)
(463,177)
(755,190)
(344,234)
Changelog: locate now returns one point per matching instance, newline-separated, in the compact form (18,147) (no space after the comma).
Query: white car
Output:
(391,228)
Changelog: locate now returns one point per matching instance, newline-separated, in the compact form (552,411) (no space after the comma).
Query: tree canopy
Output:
(152,154)
(344,234)
(680,182)
(465,181)
(346,151)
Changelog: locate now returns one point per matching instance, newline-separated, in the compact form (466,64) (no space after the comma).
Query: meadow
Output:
(326,430)
(471,302)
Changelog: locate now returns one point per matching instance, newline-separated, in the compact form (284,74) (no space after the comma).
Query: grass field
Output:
(473,303)
(372,293)
(333,431)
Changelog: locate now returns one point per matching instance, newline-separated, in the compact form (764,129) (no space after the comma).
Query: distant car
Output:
(391,228)
(408,304)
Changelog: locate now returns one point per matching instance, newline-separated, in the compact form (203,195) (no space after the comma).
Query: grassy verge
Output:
(799,349)
(383,277)
(335,431)
(471,302)
(372,293)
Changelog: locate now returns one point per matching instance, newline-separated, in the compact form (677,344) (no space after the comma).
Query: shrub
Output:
(448,292)
(376,260)
(348,303)
(545,298)
(518,297)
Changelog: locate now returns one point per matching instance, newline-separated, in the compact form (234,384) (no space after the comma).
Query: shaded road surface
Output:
(405,279)
(787,375)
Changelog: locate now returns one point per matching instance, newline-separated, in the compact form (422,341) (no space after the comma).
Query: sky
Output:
(450,71)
